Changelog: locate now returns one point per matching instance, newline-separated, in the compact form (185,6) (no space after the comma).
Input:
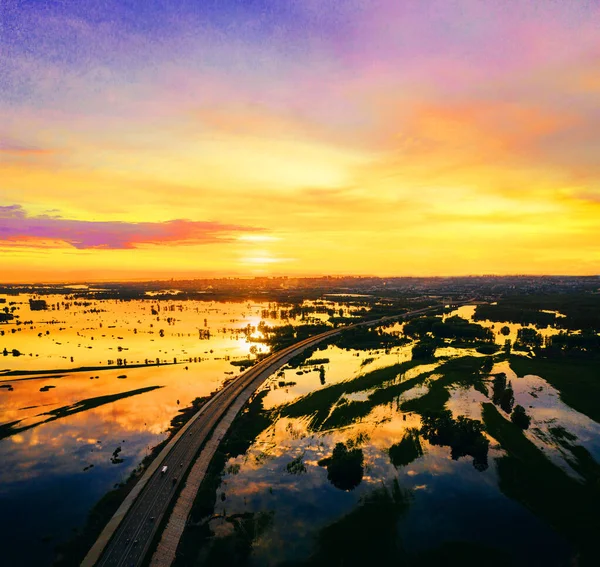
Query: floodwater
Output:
(60,431)
(296,510)
(56,453)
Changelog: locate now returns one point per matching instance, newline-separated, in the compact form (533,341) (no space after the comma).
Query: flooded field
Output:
(88,388)
(361,453)
(442,440)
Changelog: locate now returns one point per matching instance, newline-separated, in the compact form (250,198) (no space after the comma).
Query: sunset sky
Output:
(254,137)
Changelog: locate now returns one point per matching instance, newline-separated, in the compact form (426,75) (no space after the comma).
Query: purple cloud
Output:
(16,148)
(16,226)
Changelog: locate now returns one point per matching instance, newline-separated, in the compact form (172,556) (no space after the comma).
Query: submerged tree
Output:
(487,365)
(520,418)
(344,467)
(407,450)
(464,436)
(502,393)
(507,399)
(424,350)
(528,337)
(498,387)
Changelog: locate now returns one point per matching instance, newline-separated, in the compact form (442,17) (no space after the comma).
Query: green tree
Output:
(344,467)
(520,418)
(423,350)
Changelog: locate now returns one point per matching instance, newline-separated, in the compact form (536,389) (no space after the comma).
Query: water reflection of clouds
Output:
(66,446)
(343,365)
(467,402)
(542,402)
(92,337)
(307,502)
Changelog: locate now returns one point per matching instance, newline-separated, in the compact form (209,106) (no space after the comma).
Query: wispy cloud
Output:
(17,226)
(15,148)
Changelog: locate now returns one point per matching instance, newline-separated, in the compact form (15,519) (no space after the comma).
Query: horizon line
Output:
(289,277)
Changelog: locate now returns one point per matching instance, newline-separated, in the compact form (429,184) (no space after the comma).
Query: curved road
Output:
(134,535)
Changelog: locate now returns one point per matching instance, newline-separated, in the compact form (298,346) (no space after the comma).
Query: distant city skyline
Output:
(158,140)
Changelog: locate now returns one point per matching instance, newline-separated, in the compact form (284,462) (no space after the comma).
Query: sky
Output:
(165,139)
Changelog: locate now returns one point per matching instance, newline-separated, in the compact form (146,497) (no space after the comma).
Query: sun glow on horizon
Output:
(152,149)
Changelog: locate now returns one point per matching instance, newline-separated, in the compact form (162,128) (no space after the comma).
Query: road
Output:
(134,535)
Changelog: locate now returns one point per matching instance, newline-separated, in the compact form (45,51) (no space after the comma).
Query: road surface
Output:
(133,537)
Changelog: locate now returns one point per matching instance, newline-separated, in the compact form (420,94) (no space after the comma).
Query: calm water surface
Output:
(52,471)
(448,500)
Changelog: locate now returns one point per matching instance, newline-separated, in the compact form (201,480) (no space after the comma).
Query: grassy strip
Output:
(80,369)
(578,381)
(528,476)
(52,377)
(318,404)
(464,371)
(325,414)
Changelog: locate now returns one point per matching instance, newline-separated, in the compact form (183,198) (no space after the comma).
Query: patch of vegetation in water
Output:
(578,381)
(502,392)
(425,349)
(326,411)
(345,413)
(464,436)
(572,345)
(319,404)
(464,371)
(407,450)
(315,361)
(528,476)
(513,314)
(344,467)
(281,337)
(78,369)
(520,418)
(581,310)
(486,348)
(302,358)
(296,466)
(452,328)
(369,338)
(561,434)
